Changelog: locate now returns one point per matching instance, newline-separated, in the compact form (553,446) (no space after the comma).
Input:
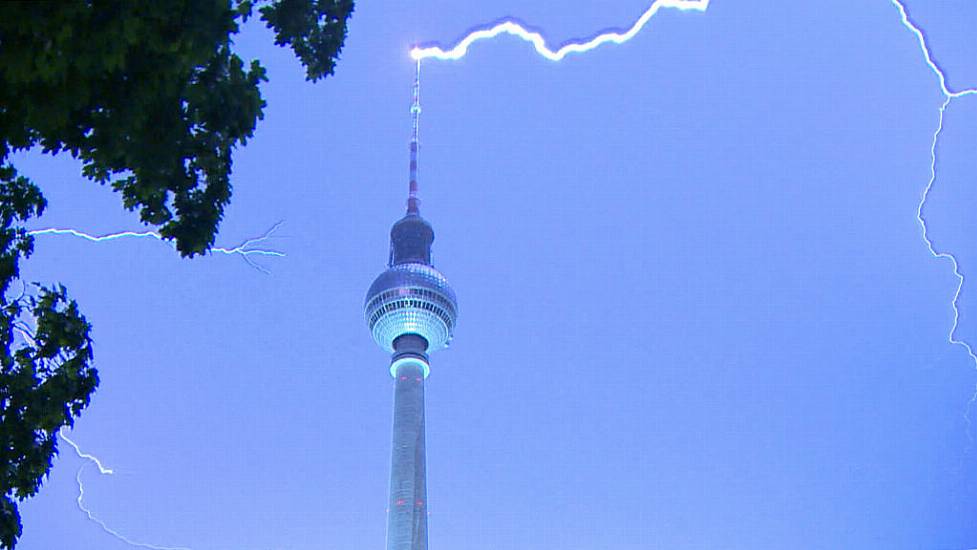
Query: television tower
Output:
(411,312)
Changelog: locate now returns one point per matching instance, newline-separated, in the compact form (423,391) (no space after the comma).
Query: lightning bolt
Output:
(245,250)
(103,470)
(948,97)
(509,26)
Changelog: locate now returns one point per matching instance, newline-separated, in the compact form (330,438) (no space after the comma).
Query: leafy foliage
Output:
(152,99)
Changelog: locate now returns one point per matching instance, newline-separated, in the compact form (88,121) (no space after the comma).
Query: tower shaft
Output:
(407,511)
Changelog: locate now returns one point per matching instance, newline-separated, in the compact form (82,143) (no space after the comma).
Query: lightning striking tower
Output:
(411,312)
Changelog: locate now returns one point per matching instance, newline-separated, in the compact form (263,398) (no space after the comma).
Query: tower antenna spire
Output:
(413,203)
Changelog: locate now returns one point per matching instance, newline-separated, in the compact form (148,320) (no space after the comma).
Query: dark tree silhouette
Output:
(152,99)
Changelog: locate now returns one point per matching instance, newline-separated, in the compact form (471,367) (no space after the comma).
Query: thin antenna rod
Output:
(413,202)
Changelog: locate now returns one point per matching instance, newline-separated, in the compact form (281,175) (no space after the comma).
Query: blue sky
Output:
(696,310)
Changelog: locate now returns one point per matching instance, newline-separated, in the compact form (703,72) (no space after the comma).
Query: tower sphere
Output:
(411,298)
